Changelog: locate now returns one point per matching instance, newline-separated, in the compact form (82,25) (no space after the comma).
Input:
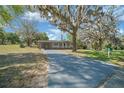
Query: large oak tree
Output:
(102,26)
(65,17)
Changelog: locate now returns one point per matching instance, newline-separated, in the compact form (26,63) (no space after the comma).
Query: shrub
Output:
(22,45)
(84,47)
(121,47)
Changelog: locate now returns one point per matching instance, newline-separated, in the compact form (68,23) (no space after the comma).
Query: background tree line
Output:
(27,36)
(84,41)
(96,26)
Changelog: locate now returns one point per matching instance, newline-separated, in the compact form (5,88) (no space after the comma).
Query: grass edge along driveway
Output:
(116,58)
(22,67)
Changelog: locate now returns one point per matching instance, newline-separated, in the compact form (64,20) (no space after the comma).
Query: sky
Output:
(41,25)
(121,24)
(44,26)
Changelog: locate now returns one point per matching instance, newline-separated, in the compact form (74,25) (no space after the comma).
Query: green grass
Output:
(94,54)
(22,67)
(17,49)
(117,56)
(102,55)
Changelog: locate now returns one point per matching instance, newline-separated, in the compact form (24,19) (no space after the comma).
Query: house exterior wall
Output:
(55,45)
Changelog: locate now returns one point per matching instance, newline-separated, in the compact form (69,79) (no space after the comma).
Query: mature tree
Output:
(69,37)
(67,18)
(27,32)
(2,36)
(8,37)
(12,38)
(7,13)
(118,41)
(41,36)
(78,41)
(100,27)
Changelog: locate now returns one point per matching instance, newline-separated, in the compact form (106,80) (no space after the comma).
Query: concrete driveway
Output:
(66,71)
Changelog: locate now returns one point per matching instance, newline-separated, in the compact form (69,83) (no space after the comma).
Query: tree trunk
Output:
(29,42)
(74,41)
(100,44)
(3,41)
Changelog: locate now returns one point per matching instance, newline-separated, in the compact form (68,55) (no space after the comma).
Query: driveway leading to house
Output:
(68,71)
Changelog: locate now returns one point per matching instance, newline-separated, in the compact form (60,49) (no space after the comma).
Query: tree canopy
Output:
(96,25)
(101,20)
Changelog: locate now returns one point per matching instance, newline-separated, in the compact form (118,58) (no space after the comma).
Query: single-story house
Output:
(54,44)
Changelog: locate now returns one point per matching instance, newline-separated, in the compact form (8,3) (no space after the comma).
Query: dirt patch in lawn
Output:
(23,70)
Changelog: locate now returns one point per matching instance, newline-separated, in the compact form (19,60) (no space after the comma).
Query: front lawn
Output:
(22,67)
(16,49)
(117,56)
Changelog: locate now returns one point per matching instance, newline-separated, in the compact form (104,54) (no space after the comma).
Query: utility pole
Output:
(61,36)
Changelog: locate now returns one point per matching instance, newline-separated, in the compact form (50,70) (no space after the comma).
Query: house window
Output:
(64,44)
(55,44)
(60,44)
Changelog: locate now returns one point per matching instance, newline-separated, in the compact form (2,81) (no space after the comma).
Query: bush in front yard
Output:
(22,45)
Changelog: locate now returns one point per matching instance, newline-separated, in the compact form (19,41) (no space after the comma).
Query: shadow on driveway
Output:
(23,70)
(69,71)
